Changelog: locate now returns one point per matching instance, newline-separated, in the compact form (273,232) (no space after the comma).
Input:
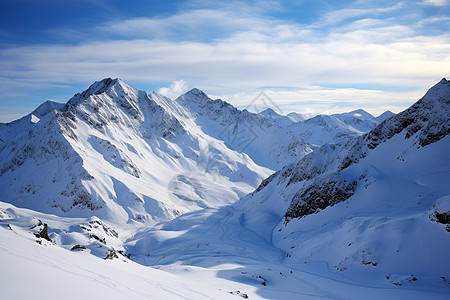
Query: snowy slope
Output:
(324,129)
(370,203)
(34,268)
(330,129)
(114,152)
(201,255)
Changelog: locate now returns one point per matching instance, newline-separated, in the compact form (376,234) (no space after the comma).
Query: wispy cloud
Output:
(433,20)
(349,13)
(204,25)
(435,2)
(361,57)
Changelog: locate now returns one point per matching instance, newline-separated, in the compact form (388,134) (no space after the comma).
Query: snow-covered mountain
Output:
(358,119)
(121,154)
(373,202)
(270,139)
(10,130)
(261,136)
(114,152)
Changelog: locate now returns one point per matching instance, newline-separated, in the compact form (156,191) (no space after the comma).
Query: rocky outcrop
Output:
(324,191)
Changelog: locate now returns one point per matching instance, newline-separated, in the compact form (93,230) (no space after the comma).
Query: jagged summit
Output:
(440,92)
(198,101)
(194,95)
(114,87)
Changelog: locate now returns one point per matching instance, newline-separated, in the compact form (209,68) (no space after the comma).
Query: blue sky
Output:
(308,56)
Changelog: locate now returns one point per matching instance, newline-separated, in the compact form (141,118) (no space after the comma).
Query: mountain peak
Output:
(270,112)
(195,95)
(437,96)
(427,120)
(386,115)
(442,84)
(46,107)
(360,113)
(99,87)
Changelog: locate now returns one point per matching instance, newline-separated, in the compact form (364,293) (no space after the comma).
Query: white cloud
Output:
(431,20)
(177,88)
(435,2)
(195,24)
(387,55)
(348,13)
(254,52)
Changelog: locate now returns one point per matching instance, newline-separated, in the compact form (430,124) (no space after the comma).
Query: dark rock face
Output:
(44,233)
(111,255)
(78,247)
(443,218)
(323,192)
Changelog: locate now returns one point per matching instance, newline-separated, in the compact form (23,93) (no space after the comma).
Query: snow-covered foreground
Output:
(208,254)
(46,271)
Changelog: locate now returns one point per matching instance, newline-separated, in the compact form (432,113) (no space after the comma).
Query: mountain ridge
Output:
(109,139)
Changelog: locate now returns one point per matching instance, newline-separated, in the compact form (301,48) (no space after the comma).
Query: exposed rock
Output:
(77,247)
(238,293)
(44,233)
(111,254)
(440,211)
(323,192)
